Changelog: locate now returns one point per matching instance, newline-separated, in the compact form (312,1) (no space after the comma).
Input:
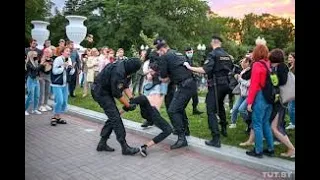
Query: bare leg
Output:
(250,141)
(156,100)
(282,138)
(150,143)
(85,88)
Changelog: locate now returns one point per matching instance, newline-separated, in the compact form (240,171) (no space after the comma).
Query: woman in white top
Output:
(93,66)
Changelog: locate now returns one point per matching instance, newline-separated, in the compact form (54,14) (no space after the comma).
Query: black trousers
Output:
(181,97)
(222,91)
(114,122)
(195,101)
(167,100)
(73,82)
(150,113)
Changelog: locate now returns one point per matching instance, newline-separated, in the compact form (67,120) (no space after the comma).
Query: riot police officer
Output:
(217,67)
(109,84)
(171,66)
(195,100)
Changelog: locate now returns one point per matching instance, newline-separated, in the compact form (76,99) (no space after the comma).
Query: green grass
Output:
(202,93)
(198,123)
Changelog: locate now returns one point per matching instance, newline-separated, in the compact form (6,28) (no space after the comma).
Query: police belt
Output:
(221,80)
(185,81)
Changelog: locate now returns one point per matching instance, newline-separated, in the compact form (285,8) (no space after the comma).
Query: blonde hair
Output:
(30,57)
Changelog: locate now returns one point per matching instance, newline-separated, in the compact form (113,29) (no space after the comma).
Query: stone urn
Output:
(76,31)
(40,32)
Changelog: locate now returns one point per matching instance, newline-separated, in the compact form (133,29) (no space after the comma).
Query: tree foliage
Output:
(35,10)
(130,23)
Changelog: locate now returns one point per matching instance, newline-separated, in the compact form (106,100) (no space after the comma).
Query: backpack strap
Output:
(265,65)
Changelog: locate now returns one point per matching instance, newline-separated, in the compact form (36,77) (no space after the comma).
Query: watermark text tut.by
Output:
(278,174)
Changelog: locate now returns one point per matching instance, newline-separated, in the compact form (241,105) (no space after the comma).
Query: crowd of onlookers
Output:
(54,72)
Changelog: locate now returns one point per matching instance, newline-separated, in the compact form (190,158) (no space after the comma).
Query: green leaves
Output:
(127,23)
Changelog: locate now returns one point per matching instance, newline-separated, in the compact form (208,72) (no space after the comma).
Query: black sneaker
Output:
(268,153)
(143,150)
(254,154)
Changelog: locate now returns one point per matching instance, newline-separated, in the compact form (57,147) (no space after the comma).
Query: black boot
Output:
(181,142)
(103,146)
(196,111)
(224,130)
(146,124)
(174,131)
(127,150)
(187,131)
(215,142)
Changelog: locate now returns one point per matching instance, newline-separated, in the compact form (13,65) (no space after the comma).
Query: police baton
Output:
(216,98)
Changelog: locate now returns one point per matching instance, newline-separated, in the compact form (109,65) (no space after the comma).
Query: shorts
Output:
(157,89)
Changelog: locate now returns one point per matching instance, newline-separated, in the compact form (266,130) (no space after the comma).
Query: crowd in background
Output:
(55,72)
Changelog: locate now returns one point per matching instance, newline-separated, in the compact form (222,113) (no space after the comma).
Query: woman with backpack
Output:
(258,103)
(61,70)
(279,110)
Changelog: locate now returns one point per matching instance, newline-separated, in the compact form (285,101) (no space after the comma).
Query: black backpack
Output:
(271,89)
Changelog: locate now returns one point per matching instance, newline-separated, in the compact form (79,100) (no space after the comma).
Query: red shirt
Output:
(258,79)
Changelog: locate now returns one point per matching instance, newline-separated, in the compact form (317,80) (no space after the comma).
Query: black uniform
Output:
(109,84)
(171,64)
(217,67)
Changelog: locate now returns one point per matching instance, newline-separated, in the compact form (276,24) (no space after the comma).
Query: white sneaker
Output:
(36,112)
(291,126)
(43,109)
(26,113)
(231,126)
(48,107)
(276,143)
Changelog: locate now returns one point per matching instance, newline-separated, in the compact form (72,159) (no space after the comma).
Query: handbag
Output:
(236,90)
(287,91)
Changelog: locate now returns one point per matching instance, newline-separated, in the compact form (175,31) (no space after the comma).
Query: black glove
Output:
(130,108)
(130,100)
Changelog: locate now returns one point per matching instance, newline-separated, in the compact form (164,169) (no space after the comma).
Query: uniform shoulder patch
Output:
(225,58)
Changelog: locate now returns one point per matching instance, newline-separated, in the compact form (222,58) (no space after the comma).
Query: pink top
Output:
(102,62)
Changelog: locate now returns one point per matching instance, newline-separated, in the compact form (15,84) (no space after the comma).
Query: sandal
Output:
(288,155)
(53,121)
(246,144)
(61,121)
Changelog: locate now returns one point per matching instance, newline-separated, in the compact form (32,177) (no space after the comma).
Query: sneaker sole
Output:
(142,153)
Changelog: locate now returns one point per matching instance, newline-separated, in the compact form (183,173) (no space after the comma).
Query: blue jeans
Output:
(33,88)
(60,99)
(239,106)
(292,111)
(261,114)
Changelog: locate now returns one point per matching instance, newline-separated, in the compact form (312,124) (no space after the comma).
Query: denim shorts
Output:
(157,89)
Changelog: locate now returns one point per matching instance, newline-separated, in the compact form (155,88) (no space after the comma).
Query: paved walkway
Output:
(68,152)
